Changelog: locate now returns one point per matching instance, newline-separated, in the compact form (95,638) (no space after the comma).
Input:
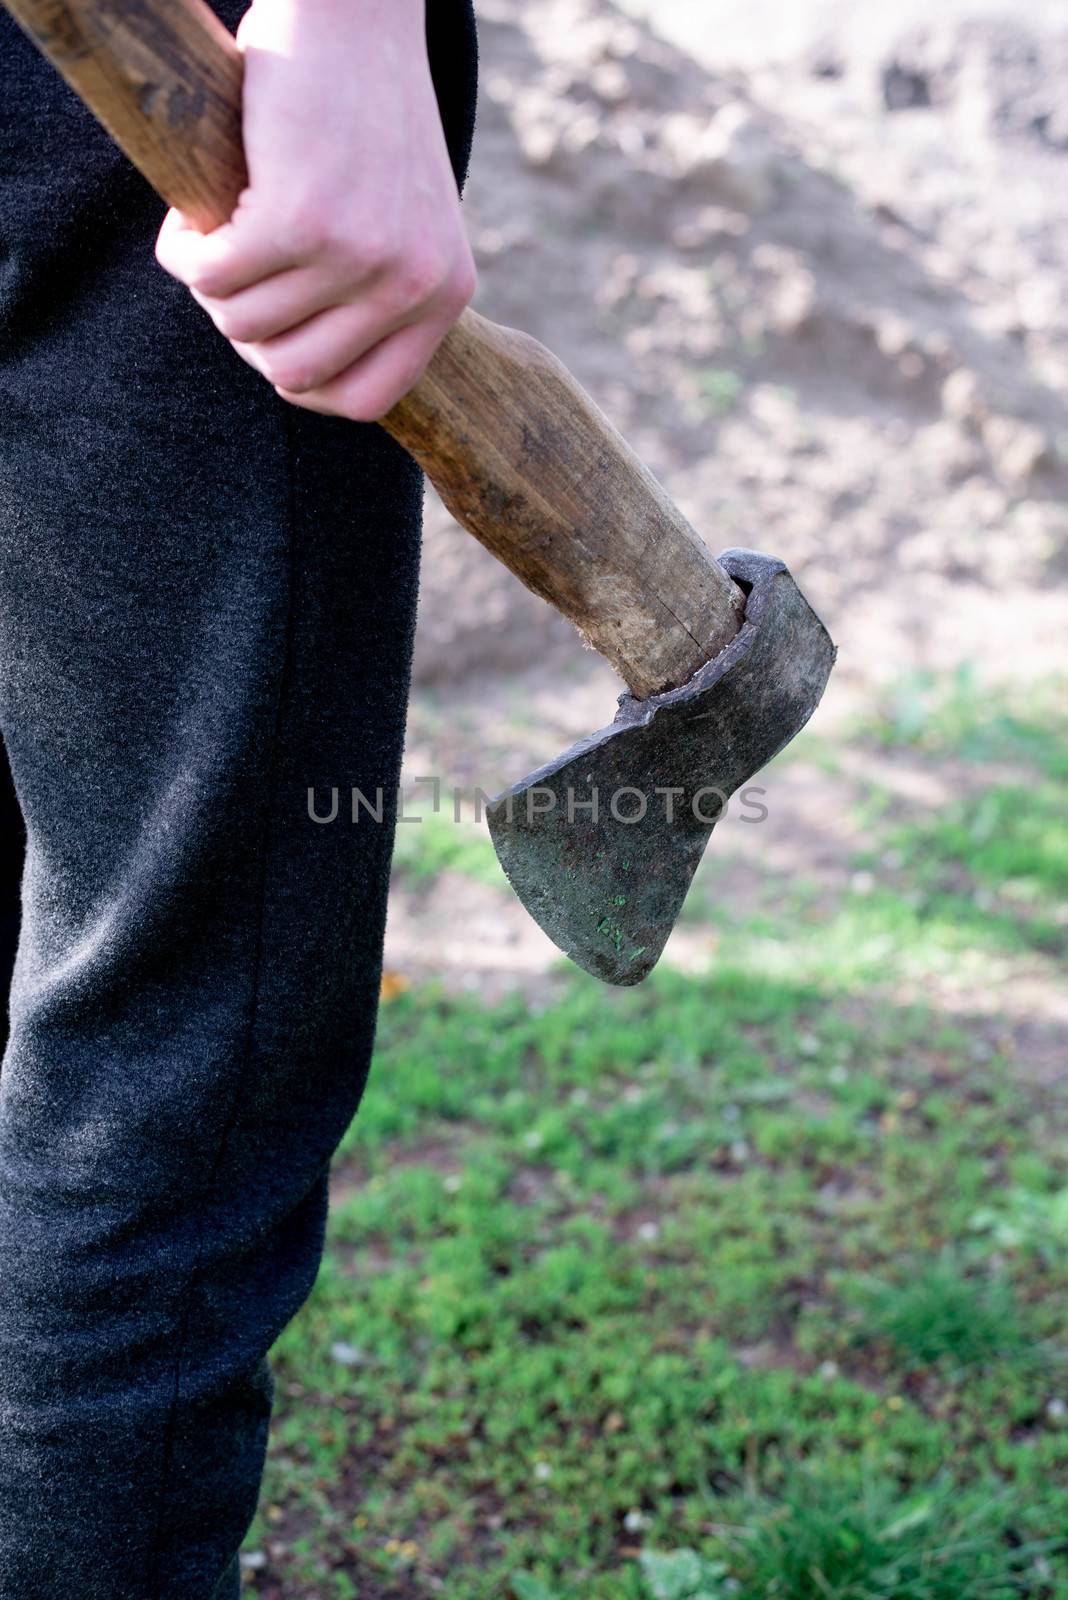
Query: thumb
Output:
(185,252)
(240,252)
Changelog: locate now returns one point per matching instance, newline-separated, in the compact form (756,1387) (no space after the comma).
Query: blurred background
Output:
(752,1281)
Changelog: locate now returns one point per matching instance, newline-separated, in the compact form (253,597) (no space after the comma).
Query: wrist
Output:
(382,38)
(347,16)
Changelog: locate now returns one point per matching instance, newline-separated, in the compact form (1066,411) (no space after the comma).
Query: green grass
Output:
(818,1541)
(935,1313)
(720,388)
(435,843)
(952,714)
(747,1285)
(994,860)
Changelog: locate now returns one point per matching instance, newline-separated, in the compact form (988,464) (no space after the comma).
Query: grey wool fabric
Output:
(206,606)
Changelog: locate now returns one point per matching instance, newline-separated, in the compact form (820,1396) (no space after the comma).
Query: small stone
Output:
(825,63)
(1017,448)
(732,155)
(794,302)
(710,224)
(892,335)
(905,88)
(609,82)
(961,397)
(1051,127)
(349,1355)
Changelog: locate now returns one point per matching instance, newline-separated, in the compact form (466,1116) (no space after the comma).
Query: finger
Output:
(277,305)
(247,352)
(373,385)
(313,355)
(241,252)
(283,302)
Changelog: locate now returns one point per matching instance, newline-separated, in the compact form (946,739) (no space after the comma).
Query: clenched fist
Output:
(346,261)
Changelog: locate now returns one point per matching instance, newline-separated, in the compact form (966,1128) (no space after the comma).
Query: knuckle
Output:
(322,235)
(351,258)
(462,284)
(304,233)
(291,375)
(370,253)
(419,277)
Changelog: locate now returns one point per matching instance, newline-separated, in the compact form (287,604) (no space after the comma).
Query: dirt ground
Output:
(811,262)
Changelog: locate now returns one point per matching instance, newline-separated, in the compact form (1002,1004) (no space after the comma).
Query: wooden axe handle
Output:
(518,452)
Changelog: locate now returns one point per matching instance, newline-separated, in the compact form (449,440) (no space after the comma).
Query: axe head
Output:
(601,844)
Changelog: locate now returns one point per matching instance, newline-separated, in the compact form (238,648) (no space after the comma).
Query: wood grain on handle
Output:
(165,80)
(525,461)
(519,453)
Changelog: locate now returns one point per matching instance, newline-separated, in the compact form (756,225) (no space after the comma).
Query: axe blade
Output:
(601,845)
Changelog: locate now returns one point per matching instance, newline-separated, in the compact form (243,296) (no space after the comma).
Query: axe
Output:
(724,659)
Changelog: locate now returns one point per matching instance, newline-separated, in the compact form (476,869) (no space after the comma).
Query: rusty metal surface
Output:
(601,844)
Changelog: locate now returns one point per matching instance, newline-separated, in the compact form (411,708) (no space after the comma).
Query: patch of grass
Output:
(1026,1219)
(863,935)
(680,1575)
(748,1284)
(950,889)
(436,844)
(720,388)
(935,1313)
(822,1540)
(995,862)
(953,713)
(583,1291)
